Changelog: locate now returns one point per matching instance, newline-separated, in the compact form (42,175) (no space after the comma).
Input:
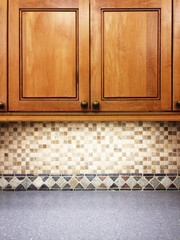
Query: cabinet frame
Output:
(3,54)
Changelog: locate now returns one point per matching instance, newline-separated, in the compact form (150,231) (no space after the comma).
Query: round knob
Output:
(95,104)
(178,103)
(1,105)
(84,104)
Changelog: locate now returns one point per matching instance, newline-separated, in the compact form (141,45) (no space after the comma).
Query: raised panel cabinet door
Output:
(131,55)
(48,55)
(176,55)
(3,55)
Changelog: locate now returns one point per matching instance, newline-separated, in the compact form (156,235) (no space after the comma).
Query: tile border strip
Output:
(89,182)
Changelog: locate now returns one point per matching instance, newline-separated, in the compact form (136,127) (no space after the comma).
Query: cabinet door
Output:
(176,56)
(3,55)
(48,55)
(131,55)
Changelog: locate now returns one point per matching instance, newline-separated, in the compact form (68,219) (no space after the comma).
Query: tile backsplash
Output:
(90,148)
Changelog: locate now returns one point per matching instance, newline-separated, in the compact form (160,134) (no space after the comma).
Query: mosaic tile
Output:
(98,183)
(131,182)
(119,182)
(154,182)
(61,182)
(89,148)
(38,182)
(166,182)
(3,182)
(85,182)
(14,182)
(143,182)
(177,182)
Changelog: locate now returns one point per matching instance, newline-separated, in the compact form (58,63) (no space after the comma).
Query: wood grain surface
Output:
(49,43)
(176,54)
(134,64)
(3,54)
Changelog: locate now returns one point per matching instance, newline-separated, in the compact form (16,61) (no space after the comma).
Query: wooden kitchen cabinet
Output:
(48,55)
(90,60)
(131,55)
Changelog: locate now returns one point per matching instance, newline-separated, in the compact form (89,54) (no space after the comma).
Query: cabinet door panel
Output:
(49,55)
(131,55)
(51,70)
(3,54)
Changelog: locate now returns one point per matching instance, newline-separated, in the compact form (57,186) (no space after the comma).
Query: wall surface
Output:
(90,148)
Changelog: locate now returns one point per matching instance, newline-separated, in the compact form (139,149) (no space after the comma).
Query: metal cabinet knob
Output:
(95,104)
(84,104)
(1,105)
(178,103)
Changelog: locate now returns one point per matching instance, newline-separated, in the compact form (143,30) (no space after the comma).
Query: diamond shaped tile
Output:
(50,182)
(38,182)
(131,182)
(26,182)
(73,182)
(166,182)
(85,182)
(154,182)
(61,182)
(177,182)
(108,182)
(143,182)
(14,182)
(3,182)
(120,181)
(96,182)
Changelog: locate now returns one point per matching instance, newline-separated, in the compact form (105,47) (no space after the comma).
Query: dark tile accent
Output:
(20,188)
(172,186)
(172,178)
(149,187)
(102,186)
(44,178)
(55,186)
(32,188)
(79,186)
(8,178)
(55,178)
(67,178)
(114,178)
(125,186)
(137,186)
(114,186)
(90,178)
(160,187)
(44,187)
(67,186)
(79,178)
(20,178)
(32,178)
(125,178)
(90,186)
